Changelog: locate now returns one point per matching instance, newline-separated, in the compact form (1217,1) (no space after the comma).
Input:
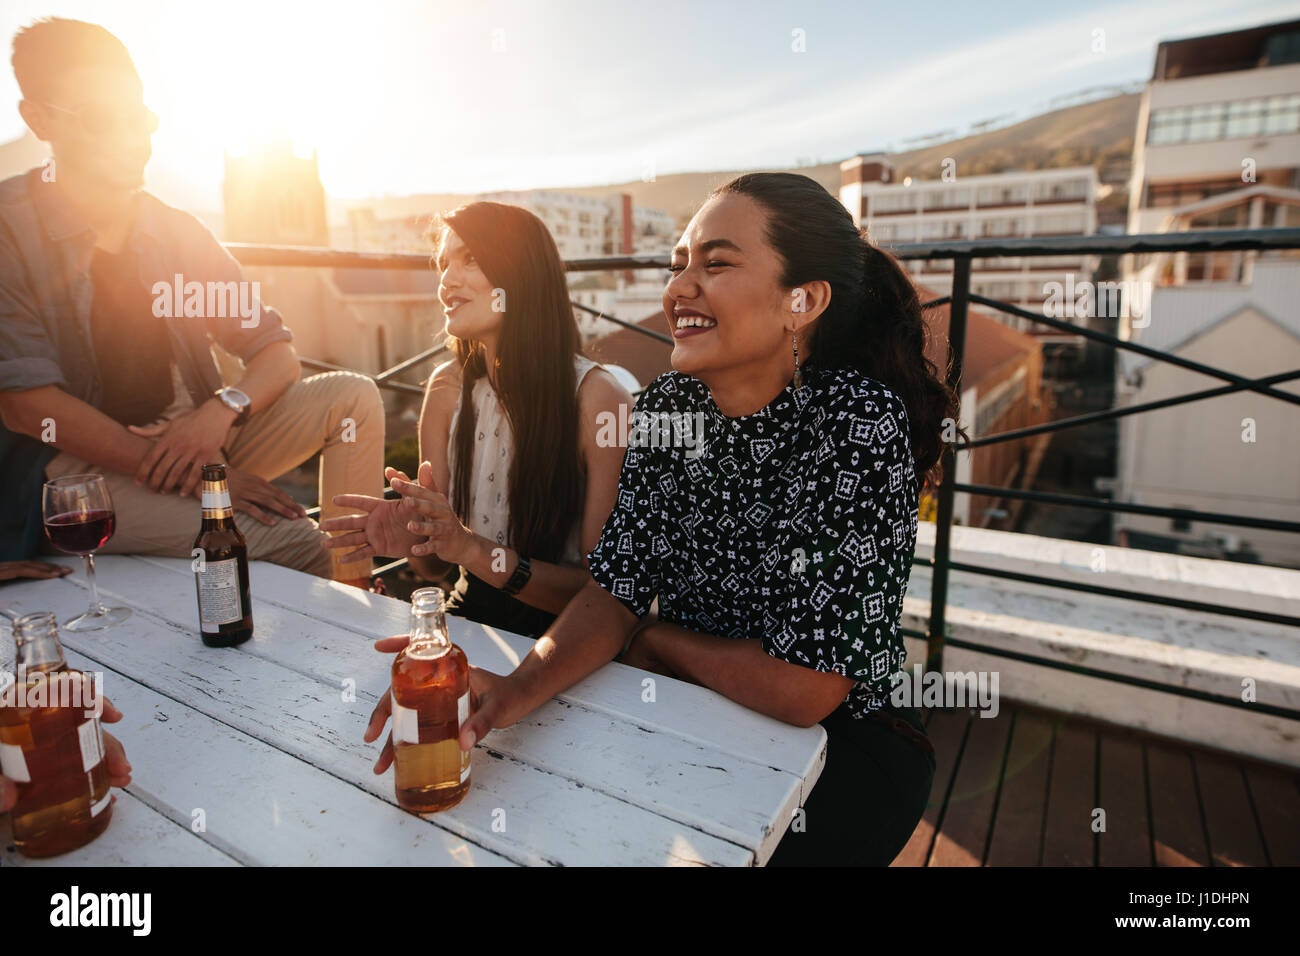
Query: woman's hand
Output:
(380,530)
(494,702)
(448,539)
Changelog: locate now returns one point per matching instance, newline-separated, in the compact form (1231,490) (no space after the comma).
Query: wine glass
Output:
(78,513)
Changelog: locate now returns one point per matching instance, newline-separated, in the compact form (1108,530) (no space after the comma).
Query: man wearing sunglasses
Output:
(94,377)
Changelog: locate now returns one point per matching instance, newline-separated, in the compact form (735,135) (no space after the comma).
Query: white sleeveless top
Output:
(494,450)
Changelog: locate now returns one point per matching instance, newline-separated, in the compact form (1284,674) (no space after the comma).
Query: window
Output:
(1261,116)
(893,202)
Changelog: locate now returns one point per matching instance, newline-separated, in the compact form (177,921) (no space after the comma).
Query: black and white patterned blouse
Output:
(796,524)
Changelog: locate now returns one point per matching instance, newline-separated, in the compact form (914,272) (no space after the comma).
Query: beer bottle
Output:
(51,745)
(221,567)
(430,706)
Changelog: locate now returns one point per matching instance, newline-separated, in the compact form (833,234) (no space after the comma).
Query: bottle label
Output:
(219,594)
(13,765)
(462,715)
(216,503)
(406,724)
(92,744)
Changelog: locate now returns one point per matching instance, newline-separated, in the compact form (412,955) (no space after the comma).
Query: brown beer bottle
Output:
(221,567)
(430,705)
(51,745)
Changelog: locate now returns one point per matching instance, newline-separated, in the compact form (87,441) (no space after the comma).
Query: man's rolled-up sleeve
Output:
(253,325)
(28,359)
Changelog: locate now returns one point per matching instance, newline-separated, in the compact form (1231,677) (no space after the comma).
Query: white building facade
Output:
(1020,204)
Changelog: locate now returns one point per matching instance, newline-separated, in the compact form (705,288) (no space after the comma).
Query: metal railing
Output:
(962,252)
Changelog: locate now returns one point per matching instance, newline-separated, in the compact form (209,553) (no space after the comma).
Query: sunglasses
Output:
(100,120)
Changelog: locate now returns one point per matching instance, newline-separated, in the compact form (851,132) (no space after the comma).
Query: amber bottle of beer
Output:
(430,706)
(51,745)
(221,567)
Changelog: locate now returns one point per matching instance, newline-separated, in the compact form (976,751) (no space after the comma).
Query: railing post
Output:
(943,520)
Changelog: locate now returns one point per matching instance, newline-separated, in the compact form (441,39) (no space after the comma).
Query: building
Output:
(1014,204)
(1237,453)
(1217,147)
(363,319)
(585,227)
(274,192)
(366,231)
(1219,112)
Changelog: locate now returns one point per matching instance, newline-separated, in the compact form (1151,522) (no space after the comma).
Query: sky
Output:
(410,96)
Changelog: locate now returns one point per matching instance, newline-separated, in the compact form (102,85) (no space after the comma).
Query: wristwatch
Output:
(236,401)
(523,571)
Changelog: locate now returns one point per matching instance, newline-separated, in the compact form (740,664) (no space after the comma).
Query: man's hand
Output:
(256,496)
(182,447)
(13,570)
(380,531)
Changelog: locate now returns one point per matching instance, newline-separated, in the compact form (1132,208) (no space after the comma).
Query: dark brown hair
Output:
(873,322)
(535,379)
(52,46)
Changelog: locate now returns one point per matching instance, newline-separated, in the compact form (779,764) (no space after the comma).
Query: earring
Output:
(798,373)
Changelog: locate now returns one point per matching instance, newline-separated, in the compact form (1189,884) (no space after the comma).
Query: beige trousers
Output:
(339,414)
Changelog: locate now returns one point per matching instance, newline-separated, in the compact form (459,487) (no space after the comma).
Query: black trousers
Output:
(869,798)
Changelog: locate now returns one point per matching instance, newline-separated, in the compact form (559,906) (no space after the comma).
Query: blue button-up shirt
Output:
(45,337)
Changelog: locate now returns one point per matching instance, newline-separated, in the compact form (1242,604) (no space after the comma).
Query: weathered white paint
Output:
(138,835)
(580,781)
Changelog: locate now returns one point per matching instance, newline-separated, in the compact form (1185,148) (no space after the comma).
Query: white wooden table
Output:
(253,755)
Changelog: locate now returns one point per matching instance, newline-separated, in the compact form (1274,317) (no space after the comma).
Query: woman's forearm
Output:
(743,671)
(588,634)
(550,587)
(428,567)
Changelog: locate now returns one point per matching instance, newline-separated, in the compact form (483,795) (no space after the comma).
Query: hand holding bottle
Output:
(494,703)
(119,768)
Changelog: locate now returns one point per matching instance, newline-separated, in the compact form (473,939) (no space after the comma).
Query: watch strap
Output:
(523,571)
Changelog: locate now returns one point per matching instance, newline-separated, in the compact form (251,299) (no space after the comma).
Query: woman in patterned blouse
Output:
(779,547)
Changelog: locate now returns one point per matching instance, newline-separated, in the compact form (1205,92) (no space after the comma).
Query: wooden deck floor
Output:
(1020,789)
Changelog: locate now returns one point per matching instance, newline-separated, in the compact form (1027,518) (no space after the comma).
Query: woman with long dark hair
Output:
(513,485)
(781,554)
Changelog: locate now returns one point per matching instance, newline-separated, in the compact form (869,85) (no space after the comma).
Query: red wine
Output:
(79,532)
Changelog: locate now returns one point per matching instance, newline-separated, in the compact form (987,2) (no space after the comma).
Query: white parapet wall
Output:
(1211,653)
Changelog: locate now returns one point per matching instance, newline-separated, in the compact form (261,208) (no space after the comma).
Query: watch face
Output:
(236,399)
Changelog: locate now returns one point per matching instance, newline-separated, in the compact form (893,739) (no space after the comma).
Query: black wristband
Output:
(523,571)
